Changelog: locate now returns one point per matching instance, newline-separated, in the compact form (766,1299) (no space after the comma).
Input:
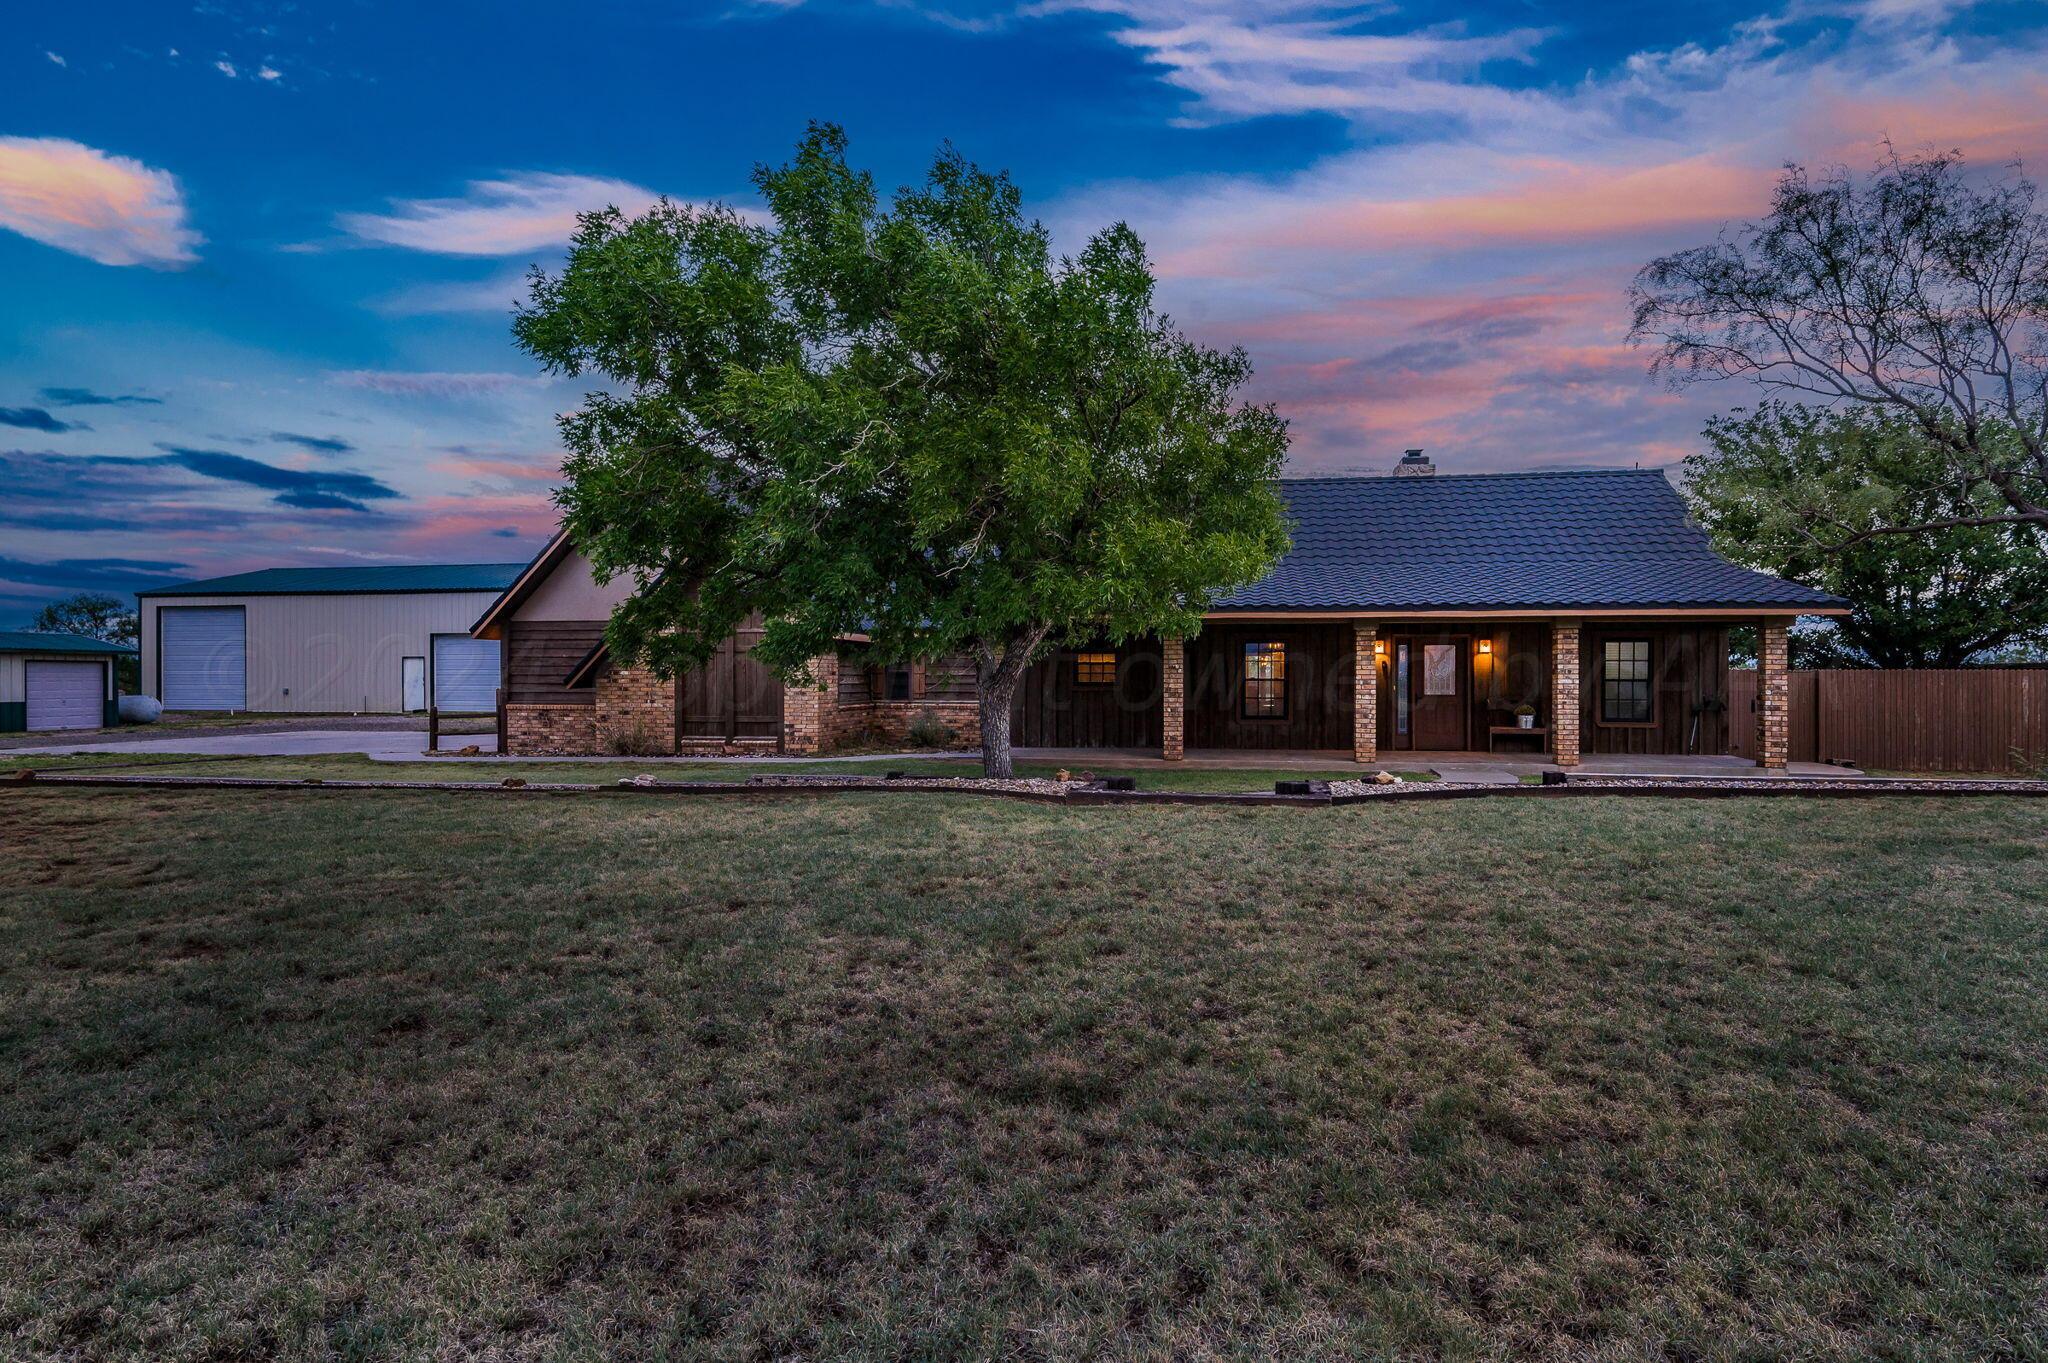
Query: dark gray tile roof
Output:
(1594,539)
(352,581)
(39,641)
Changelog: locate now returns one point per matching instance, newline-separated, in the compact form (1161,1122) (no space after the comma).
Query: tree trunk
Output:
(996,678)
(996,696)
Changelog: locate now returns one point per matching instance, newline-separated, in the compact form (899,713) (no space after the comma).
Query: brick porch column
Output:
(1365,693)
(808,711)
(1173,677)
(1564,692)
(1773,694)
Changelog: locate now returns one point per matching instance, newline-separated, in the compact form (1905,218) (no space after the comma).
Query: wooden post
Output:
(1365,692)
(433,728)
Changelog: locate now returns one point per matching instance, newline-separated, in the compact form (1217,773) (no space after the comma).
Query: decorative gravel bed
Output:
(1859,785)
(1018,785)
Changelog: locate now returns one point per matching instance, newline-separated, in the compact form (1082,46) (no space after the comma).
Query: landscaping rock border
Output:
(1094,793)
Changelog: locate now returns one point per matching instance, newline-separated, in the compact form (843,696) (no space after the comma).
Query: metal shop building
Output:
(378,640)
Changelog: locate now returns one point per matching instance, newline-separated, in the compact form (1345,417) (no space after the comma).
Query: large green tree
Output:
(909,420)
(1829,498)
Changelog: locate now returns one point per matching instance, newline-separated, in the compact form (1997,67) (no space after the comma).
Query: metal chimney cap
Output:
(1414,464)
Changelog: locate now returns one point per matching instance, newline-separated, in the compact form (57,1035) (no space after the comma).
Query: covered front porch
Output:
(1515,691)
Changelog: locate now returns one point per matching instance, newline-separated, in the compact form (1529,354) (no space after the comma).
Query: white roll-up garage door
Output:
(204,663)
(66,695)
(465,674)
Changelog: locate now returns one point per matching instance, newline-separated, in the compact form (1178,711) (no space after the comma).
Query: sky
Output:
(258,261)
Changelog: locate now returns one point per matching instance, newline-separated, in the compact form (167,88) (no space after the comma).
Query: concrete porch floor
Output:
(1339,759)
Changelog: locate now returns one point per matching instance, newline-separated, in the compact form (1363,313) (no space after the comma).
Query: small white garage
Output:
(53,682)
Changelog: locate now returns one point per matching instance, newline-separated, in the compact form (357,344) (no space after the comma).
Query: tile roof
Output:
(39,641)
(411,577)
(1591,539)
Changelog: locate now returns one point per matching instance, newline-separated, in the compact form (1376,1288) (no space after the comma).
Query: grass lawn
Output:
(359,1075)
(353,767)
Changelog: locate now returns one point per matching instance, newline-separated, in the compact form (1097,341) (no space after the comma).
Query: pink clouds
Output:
(110,209)
(438,523)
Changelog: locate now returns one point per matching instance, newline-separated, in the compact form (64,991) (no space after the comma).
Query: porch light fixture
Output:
(1379,648)
(1485,648)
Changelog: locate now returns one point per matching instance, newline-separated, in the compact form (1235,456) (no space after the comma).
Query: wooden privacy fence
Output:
(1951,719)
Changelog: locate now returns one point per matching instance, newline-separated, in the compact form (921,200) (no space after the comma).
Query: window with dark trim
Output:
(898,682)
(1625,692)
(1095,669)
(1265,681)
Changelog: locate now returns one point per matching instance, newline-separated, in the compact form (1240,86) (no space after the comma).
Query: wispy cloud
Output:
(308,489)
(116,574)
(107,208)
(1460,282)
(397,383)
(86,397)
(36,419)
(509,216)
(1240,59)
(318,444)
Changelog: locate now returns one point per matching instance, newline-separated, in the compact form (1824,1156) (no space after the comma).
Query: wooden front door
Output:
(1439,693)
(731,696)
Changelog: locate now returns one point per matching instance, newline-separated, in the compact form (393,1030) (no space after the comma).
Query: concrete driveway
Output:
(384,744)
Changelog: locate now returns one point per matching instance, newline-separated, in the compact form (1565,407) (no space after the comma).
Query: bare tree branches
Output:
(1914,291)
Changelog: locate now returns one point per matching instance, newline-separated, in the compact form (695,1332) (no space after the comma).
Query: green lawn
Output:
(334,1074)
(349,767)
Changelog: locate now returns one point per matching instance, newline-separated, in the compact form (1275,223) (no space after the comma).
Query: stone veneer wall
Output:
(636,712)
(1173,681)
(1564,693)
(1365,693)
(1773,694)
(550,730)
(889,721)
(634,703)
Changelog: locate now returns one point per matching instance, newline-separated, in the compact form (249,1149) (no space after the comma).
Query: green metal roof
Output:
(36,641)
(411,577)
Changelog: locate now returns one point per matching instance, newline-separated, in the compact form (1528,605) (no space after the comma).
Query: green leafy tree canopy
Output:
(95,615)
(1817,496)
(908,421)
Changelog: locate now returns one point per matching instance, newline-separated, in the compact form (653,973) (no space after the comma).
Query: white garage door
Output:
(465,674)
(66,695)
(203,661)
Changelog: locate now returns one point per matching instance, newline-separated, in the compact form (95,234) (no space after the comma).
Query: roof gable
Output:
(1589,540)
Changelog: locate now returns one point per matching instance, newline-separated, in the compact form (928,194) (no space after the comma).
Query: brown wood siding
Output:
(536,654)
(1688,666)
(1051,712)
(731,696)
(1514,670)
(1319,677)
(1937,719)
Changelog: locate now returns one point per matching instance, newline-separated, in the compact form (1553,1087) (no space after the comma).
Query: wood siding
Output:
(1689,675)
(1946,719)
(1052,712)
(1514,670)
(537,654)
(731,696)
(1318,678)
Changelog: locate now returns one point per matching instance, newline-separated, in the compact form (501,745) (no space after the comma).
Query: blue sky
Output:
(259,258)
